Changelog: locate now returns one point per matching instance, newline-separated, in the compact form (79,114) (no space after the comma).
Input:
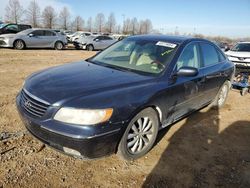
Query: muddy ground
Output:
(208,149)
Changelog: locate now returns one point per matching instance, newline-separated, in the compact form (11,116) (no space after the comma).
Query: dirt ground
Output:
(210,148)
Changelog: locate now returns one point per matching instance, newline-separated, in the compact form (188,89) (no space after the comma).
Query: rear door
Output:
(107,41)
(212,68)
(50,38)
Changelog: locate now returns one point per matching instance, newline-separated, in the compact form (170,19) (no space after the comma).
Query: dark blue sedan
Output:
(118,100)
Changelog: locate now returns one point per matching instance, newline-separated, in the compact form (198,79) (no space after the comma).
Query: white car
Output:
(240,55)
(78,35)
(91,43)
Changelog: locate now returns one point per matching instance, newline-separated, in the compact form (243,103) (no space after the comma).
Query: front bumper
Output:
(86,141)
(79,45)
(5,43)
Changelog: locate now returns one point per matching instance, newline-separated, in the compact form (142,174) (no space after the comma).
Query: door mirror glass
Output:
(187,71)
(31,35)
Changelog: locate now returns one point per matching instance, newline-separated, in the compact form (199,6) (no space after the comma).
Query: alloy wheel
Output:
(140,135)
(19,44)
(223,95)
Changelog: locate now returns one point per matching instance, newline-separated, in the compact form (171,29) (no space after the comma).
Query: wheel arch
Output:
(58,41)
(156,108)
(18,40)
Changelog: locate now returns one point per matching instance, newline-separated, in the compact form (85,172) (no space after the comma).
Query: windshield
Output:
(137,55)
(25,32)
(242,47)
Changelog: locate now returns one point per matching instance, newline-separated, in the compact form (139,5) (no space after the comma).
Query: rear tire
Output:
(140,135)
(221,97)
(19,45)
(59,45)
(90,47)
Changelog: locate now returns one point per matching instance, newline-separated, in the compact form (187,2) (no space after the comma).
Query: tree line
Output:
(50,18)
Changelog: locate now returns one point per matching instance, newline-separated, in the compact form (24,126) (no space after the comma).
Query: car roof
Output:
(167,38)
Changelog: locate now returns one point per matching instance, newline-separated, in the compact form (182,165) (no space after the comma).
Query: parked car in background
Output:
(118,100)
(94,43)
(82,35)
(13,28)
(240,55)
(78,35)
(224,46)
(66,32)
(34,38)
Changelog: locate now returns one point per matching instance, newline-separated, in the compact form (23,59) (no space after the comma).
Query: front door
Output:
(37,40)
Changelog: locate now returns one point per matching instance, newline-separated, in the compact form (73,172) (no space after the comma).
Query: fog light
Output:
(71,151)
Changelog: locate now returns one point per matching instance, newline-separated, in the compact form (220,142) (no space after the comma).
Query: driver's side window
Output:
(189,57)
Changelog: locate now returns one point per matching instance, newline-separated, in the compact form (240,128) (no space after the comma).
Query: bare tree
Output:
(145,26)
(126,26)
(118,29)
(148,26)
(111,23)
(65,18)
(14,11)
(134,26)
(33,13)
(78,23)
(99,21)
(49,17)
(90,24)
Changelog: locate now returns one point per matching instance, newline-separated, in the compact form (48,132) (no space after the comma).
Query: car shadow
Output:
(200,154)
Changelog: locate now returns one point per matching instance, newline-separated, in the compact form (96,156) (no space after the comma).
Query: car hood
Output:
(238,54)
(66,82)
(8,35)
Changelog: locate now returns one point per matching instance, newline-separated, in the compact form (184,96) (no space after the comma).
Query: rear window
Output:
(210,55)
(49,33)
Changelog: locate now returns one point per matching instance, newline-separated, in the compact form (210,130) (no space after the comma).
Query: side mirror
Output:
(227,49)
(187,72)
(96,40)
(31,35)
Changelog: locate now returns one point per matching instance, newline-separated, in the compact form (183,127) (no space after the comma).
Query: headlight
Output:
(83,116)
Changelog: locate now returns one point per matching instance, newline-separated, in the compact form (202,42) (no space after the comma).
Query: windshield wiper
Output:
(107,65)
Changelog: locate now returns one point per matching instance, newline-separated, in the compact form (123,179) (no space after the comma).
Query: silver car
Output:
(94,43)
(34,38)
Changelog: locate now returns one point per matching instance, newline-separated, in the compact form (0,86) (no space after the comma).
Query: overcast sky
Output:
(221,17)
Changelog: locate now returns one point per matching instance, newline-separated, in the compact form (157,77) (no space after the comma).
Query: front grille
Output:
(32,105)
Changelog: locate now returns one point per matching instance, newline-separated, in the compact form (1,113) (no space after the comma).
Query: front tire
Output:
(19,45)
(90,47)
(59,45)
(140,135)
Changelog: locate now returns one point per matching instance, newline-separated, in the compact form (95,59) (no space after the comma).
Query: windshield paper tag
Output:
(166,44)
